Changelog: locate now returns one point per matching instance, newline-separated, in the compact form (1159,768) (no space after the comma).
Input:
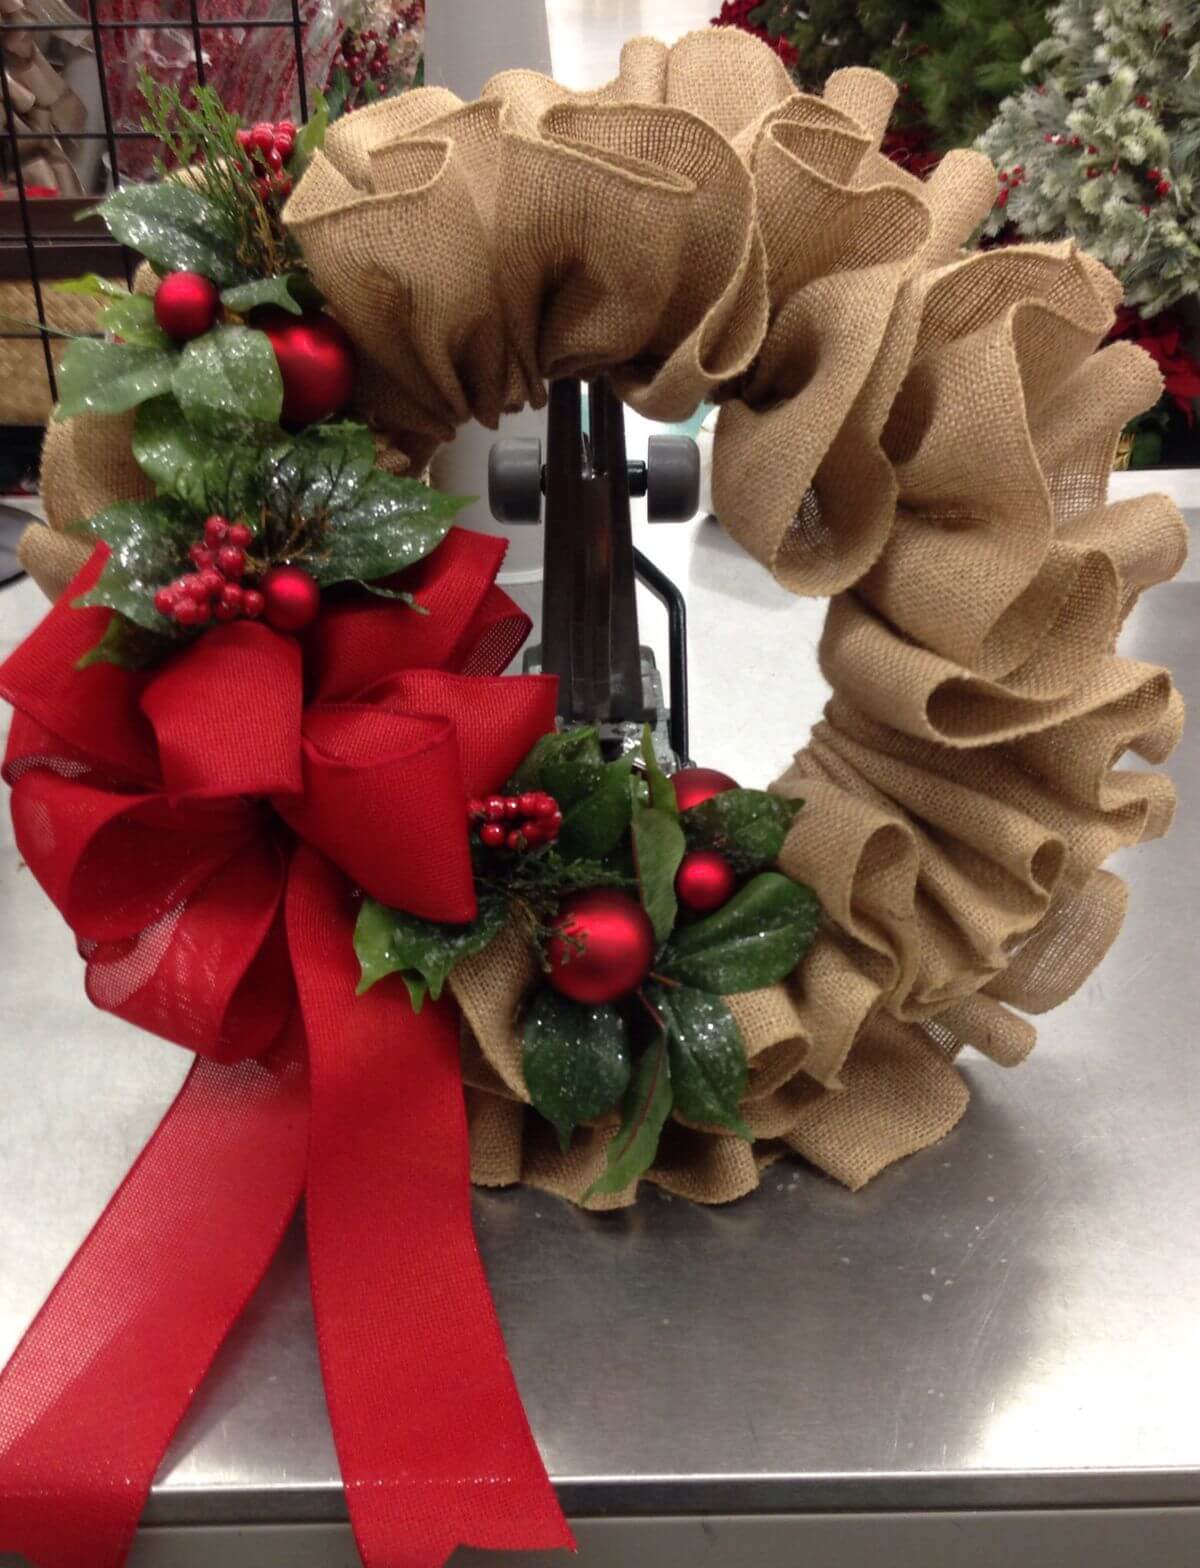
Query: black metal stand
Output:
(589,608)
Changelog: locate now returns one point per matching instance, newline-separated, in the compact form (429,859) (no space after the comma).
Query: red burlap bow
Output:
(203,829)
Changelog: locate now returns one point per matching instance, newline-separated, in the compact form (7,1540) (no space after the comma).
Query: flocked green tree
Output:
(1105,144)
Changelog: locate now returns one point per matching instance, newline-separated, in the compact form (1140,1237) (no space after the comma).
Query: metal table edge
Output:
(584,1497)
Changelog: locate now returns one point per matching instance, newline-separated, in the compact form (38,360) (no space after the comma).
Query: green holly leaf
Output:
(211,474)
(290,290)
(228,377)
(647,1106)
(128,645)
(755,939)
(92,283)
(575,745)
(707,1054)
(594,826)
(423,952)
(130,317)
(149,542)
(311,135)
(387,525)
(571,781)
(110,378)
(658,847)
(175,228)
(748,826)
(661,790)
(576,1060)
(319,473)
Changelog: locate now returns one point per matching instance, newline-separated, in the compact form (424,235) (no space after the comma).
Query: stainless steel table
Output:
(989,1355)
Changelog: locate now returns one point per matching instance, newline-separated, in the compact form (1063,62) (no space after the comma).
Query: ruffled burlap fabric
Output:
(923,435)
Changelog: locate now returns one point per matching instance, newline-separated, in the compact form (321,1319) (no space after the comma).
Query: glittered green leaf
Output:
(149,542)
(389,941)
(576,1060)
(661,790)
(284,289)
(110,378)
(574,745)
(708,1056)
(595,825)
(647,1106)
(387,525)
(128,645)
(210,473)
(91,283)
(319,473)
(130,317)
(658,847)
(228,377)
(571,780)
(175,228)
(748,826)
(755,939)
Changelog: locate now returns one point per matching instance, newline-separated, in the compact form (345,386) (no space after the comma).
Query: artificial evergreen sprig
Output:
(204,133)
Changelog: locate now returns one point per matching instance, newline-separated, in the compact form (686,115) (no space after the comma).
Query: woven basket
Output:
(24,386)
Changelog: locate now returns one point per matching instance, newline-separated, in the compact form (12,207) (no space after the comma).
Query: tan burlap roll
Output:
(922,434)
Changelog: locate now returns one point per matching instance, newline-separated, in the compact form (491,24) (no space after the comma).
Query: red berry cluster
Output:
(1009,180)
(213,592)
(516,821)
(268,148)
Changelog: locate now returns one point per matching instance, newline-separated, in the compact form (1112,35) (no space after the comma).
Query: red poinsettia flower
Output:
(1164,337)
(736,13)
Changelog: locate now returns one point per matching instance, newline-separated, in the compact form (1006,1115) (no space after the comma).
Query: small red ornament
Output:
(694,785)
(1163,188)
(705,880)
(186,305)
(602,947)
(291,598)
(1153,176)
(316,361)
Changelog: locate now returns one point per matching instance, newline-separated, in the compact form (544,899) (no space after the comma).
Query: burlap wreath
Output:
(923,435)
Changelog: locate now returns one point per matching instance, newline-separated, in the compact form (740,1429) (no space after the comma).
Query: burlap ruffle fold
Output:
(923,435)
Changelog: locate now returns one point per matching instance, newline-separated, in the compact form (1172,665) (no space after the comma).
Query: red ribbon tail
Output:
(434,1445)
(95,1390)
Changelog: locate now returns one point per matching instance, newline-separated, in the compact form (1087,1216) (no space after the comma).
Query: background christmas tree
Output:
(956,59)
(1104,146)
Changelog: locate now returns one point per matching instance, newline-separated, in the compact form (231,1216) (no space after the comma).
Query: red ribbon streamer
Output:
(152,809)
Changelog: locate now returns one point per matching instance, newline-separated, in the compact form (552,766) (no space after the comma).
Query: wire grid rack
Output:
(46,234)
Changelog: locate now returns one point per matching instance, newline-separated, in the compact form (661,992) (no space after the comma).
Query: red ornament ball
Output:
(316,362)
(602,947)
(186,305)
(705,880)
(694,785)
(291,598)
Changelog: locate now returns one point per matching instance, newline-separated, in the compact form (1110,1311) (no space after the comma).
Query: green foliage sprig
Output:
(200,142)
(674,1045)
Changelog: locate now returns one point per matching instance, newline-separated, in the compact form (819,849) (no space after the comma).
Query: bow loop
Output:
(226,714)
(383,798)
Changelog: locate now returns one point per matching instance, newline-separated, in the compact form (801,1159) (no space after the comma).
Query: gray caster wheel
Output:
(515,480)
(672,479)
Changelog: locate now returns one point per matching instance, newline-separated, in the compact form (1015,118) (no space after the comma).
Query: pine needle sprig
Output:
(202,134)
